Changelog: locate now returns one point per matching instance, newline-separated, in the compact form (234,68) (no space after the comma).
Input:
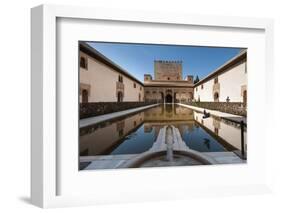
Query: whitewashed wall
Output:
(230,82)
(131,93)
(102,80)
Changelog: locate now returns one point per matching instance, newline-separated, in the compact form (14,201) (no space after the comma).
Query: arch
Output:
(216,97)
(169,98)
(85,95)
(119,97)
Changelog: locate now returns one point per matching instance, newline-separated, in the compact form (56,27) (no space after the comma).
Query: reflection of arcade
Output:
(170,114)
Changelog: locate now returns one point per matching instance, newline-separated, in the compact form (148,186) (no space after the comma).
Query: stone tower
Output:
(167,70)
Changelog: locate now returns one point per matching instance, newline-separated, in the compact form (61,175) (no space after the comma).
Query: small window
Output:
(216,80)
(83,63)
(168,78)
(202,86)
(135,85)
(196,89)
(140,88)
(120,78)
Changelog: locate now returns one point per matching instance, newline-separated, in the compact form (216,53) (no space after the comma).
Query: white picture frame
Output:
(44,149)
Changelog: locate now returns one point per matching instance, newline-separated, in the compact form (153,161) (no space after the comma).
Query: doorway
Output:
(84,96)
(119,97)
(169,98)
(216,97)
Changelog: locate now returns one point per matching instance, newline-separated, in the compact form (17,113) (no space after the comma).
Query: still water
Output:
(136,133)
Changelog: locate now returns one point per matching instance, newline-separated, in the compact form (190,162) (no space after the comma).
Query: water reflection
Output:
(136,133)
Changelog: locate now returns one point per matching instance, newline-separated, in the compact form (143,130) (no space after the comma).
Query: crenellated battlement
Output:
(168,61)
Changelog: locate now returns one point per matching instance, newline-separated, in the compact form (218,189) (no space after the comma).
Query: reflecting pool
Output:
(136,133)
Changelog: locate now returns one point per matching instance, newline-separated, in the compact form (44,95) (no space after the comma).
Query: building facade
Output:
(228,83)
(168,85)
(101,80)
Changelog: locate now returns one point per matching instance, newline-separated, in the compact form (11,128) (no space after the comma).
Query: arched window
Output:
(216,97)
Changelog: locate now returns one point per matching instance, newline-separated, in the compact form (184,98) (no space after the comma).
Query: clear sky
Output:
(138,59)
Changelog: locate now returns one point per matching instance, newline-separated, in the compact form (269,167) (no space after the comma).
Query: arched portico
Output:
(168,95)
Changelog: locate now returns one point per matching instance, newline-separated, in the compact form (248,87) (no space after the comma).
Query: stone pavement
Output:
(225,157)
(105,161)
(114,161)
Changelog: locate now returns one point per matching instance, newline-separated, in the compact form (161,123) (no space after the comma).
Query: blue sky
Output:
(138,59)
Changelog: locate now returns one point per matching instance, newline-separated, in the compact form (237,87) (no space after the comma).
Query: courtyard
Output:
(165,119)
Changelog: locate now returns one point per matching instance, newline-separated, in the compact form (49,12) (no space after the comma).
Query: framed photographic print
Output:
(131,105)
